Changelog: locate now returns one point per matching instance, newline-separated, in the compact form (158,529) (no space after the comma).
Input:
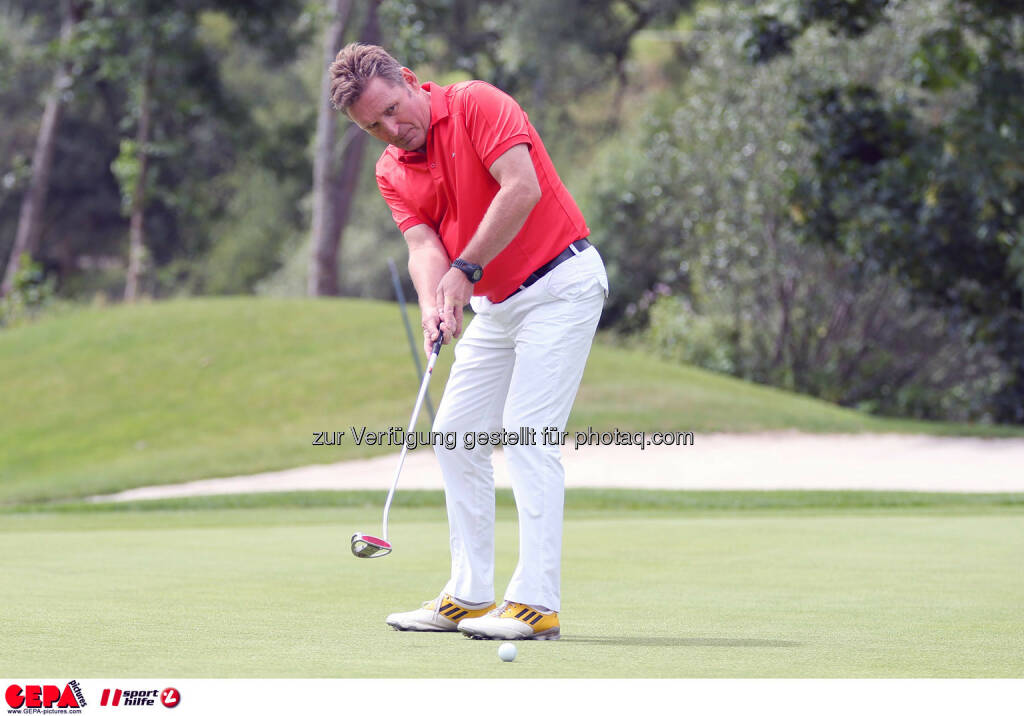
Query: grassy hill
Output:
(102,399)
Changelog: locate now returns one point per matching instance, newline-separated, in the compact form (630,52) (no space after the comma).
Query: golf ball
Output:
(507,652)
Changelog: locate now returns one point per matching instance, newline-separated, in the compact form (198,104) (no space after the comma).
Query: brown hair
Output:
(354,67)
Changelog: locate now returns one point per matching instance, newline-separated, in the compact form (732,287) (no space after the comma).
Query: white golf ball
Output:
(507,652)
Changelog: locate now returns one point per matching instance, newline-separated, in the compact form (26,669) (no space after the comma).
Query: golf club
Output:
(364,545)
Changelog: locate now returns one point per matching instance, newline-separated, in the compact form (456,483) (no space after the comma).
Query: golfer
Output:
(488,222)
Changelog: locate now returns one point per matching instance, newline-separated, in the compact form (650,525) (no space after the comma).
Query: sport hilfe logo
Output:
(48,696)
(169,697)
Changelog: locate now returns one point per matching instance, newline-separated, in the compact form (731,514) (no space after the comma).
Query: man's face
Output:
(396,114)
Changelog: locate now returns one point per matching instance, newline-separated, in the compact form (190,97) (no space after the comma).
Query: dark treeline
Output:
(826,198)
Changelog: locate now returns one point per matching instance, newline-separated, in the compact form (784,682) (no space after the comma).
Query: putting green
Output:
(275,593)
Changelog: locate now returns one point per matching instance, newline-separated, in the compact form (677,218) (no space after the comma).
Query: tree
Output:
(935,197)
(137,157)
(206,130)
(712,261)
(34,201)
(336,164)
(168,83)
(548,56)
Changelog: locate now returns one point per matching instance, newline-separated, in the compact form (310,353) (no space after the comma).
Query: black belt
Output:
(576,247)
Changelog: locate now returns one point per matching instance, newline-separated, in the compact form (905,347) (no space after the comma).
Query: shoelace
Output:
(500,609)
(438,602)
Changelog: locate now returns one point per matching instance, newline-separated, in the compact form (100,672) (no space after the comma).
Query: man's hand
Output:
(430,321)
(428,264)
(453,292)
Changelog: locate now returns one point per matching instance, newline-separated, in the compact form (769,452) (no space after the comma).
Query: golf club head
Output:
(367,547)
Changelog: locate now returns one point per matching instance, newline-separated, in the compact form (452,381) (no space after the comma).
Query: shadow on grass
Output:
(672,641)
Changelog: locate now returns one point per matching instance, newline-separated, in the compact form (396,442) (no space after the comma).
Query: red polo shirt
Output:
(449,188)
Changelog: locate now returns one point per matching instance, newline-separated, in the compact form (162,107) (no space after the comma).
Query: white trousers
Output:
(518,365)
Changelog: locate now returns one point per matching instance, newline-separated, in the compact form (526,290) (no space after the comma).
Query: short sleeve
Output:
(494,121)
(404,217)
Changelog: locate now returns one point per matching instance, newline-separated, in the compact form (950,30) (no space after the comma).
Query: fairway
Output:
(274,592)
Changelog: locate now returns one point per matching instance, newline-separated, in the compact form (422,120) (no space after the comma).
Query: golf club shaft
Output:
(412,425)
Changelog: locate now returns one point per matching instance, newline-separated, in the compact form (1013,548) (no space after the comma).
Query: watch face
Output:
(473,272)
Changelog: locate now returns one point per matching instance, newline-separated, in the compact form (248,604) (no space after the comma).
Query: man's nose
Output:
(391,126)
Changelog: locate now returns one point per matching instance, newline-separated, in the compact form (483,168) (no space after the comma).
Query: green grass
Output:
(578,501)
(104,399)
(725,583)
(274,592)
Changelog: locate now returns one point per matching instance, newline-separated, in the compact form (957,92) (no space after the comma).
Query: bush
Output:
(678,333)
(31,293)
(708,254)
(248,244)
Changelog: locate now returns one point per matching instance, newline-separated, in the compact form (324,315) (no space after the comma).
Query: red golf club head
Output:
(367,547)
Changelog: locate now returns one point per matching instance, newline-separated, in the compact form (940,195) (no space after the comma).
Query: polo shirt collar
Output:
(438,102)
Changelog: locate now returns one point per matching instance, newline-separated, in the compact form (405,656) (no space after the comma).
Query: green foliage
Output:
(548,60)
(203,127)
(680,334)
(31,293)
(701,203)
(771,34)
(25,39)
(259,225)
(847,17)
(767,38)
(818,194)
(944,60)
(370,240)
(688,199)
(848,341)
(125,168)
(936,203)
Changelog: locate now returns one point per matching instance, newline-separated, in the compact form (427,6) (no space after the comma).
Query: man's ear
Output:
(410,79)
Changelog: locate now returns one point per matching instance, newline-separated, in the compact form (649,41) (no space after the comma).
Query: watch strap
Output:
(474,272)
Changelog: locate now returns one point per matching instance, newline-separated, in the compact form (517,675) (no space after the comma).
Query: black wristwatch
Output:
(474,272)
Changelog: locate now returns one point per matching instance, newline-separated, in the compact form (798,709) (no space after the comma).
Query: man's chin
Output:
(407,145)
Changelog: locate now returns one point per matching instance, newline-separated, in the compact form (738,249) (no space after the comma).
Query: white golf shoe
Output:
(512,620)
(442,614)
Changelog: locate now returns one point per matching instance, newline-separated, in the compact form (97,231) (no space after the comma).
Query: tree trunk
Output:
(137,233)
(323,260)
(30,220)
(337,164)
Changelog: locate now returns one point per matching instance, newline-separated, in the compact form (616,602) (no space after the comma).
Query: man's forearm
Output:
(504,218)
(427,264)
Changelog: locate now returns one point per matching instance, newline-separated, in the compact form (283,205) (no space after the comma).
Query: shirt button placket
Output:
(435,171)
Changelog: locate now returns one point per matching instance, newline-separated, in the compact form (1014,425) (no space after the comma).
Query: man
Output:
(488,222)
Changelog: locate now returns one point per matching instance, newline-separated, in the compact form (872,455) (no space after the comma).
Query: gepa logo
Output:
(48,696)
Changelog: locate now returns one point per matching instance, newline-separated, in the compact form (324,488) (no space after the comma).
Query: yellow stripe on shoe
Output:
(512,620)
(441,614)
